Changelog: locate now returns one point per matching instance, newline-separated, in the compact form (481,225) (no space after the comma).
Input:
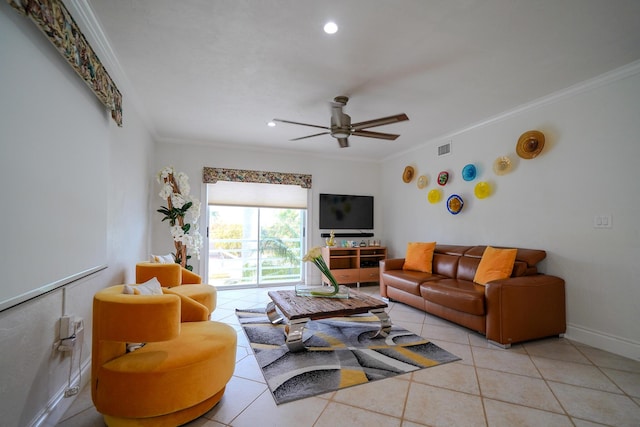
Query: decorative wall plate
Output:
(443,177)
(502,165)
(434,196)
(530,144)
(455,204)
(469,172)
(408,173)
(422,181)
(482,190)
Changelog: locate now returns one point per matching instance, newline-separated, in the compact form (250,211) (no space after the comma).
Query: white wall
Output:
(330,175)
(33,375)
(588,167)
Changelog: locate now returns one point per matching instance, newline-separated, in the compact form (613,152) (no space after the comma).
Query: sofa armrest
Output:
(388,265)
(525,308)
(189,277)
(391,264)
(190,309)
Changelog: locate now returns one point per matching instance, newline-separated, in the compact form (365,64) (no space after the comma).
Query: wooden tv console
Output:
(354,265)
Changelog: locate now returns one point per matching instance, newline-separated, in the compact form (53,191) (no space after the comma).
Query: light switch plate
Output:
(603,221)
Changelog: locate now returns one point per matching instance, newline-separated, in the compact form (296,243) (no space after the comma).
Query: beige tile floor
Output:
(551,382)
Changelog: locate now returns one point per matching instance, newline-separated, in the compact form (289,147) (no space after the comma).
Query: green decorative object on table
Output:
(315,256)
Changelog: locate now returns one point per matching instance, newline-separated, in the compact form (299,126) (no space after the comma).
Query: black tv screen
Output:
(346,212)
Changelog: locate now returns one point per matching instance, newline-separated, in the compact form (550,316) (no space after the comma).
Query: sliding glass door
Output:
(254,246)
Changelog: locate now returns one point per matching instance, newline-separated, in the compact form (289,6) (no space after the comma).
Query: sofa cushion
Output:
(452,249)
(530,257)
(460,295)
(170,375)
(408,280)
(467,268)
(495,264)
(520,269)
(162,259)
(419,256)
(150,287)
(445,265)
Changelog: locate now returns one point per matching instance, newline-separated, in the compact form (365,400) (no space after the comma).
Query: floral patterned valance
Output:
(55,21)
(213,175)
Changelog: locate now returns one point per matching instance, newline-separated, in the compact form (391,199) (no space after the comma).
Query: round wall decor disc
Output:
(469,172)
(408,173)
(443,177)
(502,165)
(482,190)
(530,144)
(434,196)
(455,204)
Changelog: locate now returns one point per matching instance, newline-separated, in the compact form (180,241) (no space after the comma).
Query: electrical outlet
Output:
(67,327)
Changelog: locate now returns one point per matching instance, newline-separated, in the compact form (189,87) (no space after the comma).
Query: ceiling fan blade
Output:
(344,142)
(379,135)
(380,122)
(309,136)
(298,123)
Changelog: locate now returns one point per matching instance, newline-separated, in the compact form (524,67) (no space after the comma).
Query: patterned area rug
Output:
(341,353)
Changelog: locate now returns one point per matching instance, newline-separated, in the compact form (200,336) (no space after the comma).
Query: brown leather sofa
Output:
(528,305)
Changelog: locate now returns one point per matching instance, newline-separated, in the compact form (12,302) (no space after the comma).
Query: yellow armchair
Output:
(173,276)
(178,375)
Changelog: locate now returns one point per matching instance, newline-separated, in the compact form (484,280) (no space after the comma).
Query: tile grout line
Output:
(622,391)
(475,370)
(546,383)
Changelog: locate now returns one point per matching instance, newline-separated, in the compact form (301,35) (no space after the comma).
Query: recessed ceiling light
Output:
(271,124)
(330,27)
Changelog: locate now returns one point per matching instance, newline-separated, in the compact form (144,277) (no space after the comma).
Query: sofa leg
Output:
(505,346)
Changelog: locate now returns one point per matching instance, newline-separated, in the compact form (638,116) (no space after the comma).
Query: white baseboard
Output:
(58,405)
(611,343)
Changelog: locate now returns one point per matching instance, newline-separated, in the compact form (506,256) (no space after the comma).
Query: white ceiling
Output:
(216,71)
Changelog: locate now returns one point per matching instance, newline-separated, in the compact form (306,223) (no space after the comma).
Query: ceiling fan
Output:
(341,127)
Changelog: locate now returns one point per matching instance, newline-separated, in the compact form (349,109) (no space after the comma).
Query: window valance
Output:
(213,175)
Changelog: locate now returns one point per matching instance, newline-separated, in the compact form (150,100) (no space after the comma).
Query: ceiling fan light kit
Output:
(341,127)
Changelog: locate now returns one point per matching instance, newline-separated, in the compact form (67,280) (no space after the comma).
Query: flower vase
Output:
(334,291)
(321,291)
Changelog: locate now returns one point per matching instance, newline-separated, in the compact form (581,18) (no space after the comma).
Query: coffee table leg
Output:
(294,335)
(273,315)
(385,322)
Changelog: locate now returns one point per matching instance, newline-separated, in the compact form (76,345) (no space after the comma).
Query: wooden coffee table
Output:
(300,309)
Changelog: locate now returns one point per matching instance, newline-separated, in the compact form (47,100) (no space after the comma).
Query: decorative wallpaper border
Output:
(55,21)
(213,175)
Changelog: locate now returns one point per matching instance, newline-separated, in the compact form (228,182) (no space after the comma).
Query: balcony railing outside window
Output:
(268,248)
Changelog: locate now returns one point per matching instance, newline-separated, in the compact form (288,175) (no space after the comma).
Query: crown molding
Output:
(609,77)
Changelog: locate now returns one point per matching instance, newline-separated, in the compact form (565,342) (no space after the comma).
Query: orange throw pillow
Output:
(495,264)
(419,256)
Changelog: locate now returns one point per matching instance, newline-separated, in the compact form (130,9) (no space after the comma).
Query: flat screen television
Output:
(346,212)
